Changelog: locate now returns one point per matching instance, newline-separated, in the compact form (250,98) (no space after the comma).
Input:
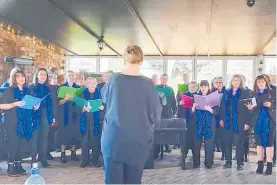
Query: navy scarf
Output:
(203,123)
(96,115)
(272,86)
(41,90)
(234,106)
(67,104)
(24,116)
(262,125)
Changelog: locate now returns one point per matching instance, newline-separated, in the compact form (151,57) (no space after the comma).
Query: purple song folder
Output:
(212,100)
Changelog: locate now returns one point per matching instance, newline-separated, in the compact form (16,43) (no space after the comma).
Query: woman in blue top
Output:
(205,122)
(90,125)
(43,117)
(132,109)
(18,121)
(264,121)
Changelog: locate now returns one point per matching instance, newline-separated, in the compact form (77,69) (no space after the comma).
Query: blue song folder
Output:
(3,89)
(31,101)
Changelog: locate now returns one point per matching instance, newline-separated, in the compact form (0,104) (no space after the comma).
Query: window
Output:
(151,67)
(115,64)
(176,69)
(270,68)
(244,67)
(270,65)
(208,70)
(77,64)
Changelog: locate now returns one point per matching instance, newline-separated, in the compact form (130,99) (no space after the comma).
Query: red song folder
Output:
(188,101)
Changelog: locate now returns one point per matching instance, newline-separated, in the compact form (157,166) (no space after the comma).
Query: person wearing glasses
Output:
(218,86)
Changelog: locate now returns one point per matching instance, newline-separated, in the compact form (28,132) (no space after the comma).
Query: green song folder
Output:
(95,104)
(63,91)
(166,91)
(183,88)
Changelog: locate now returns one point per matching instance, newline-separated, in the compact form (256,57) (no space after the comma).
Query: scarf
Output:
(272,86)
(24,116)
(262,125)
(41,90)
(96,115)
(234,106)
(203,123)
(67,104)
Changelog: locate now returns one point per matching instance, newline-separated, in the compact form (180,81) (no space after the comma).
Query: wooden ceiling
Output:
(160,27)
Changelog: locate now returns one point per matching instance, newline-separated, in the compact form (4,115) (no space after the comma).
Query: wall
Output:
(26,47)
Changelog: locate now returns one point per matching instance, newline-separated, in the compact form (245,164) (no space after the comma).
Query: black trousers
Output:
(246,143)
(15,148)
(39,142)
(122,173)
(239,142)
(91,142)
(209,152)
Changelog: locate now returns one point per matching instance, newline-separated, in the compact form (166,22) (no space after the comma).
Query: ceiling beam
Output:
(270,39)
(136,15)
(213,9)
(12,22)
(82,25)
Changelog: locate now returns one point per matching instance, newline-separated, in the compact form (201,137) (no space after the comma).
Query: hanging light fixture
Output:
(101,43)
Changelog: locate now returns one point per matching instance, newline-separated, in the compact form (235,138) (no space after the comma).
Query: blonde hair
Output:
(133,55)
(240,78)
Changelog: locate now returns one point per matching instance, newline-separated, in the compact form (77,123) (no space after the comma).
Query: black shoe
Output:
(45,164)
(63,158)
(19,168)
(240,167)
(246,159)
(208,165)
(227,165)
(274,164)
(49,157)
(74,156)
(83,165)
(218,150)
(11,171)
(196,166)
(268,169)
(260,167)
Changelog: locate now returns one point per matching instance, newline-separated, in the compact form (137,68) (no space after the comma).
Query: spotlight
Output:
(250,3)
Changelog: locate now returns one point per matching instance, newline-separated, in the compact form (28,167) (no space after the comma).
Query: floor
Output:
(167,171)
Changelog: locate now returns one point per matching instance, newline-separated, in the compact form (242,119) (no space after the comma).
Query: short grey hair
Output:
(91,78)
(193,82)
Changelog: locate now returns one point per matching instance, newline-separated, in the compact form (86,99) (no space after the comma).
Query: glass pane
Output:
(115,64)
(244,67)
(77,64)
(176,69)
(270,65)
(270,68)
(151,67)
(208,70)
